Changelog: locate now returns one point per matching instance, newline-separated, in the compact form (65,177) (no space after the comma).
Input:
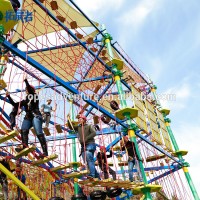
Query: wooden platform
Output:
(44,160)
(180,152)
(25,152)
(110,183)
(153,188)
(156,157)
(115,61)
(90,182)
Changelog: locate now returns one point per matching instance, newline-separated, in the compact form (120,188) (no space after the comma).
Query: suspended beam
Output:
(59,47)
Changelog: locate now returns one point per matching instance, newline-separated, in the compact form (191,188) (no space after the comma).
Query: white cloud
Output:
(98,7)
(138,14)
(181,92)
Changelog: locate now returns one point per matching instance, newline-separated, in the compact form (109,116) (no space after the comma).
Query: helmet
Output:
(8,157)
(82,117)
(102,148)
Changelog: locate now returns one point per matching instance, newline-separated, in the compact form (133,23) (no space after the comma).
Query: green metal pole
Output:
(76,187)
(131,132)
(175,145)
(107,40)
(186,165)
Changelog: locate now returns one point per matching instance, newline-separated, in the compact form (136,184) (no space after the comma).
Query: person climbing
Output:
(3,177)
(86,134)
(21,195)
(129,147)
(103,164)
(33,118)
(14,112)
(46,111)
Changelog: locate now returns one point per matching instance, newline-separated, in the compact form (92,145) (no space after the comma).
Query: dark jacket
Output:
(15,105)
(102,158)
(130,147)
(30,104)
(86,133)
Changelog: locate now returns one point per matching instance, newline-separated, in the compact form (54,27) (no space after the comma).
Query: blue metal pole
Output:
(86,73)
(60,47)
(100,96)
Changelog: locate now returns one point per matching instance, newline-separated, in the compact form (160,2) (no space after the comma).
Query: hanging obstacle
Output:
(114,192)
(98,195)
(114,105)
(105,119)
(90,40)
(79,36)
(73,25)
(54,5)
(79,197)
(5,5)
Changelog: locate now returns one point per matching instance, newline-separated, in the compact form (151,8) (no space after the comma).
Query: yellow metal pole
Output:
(18,183)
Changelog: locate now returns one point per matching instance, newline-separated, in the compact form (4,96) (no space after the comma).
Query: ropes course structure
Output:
(62,68)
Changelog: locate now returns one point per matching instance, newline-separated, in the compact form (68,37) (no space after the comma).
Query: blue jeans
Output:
(88,152)
(36,122)
(131,164)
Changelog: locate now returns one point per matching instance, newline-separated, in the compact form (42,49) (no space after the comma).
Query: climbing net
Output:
(67,60)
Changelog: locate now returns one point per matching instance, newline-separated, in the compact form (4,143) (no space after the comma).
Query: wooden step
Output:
(9,136)
(25,151)
(44,160)
(46,131)
(156,157)
(123,163)
(58,128)
(3,127)
(76,174)
(55,169)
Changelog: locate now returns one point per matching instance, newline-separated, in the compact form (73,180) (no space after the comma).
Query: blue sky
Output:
(163,38)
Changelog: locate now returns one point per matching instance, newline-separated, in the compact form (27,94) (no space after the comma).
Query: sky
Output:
(163,38)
